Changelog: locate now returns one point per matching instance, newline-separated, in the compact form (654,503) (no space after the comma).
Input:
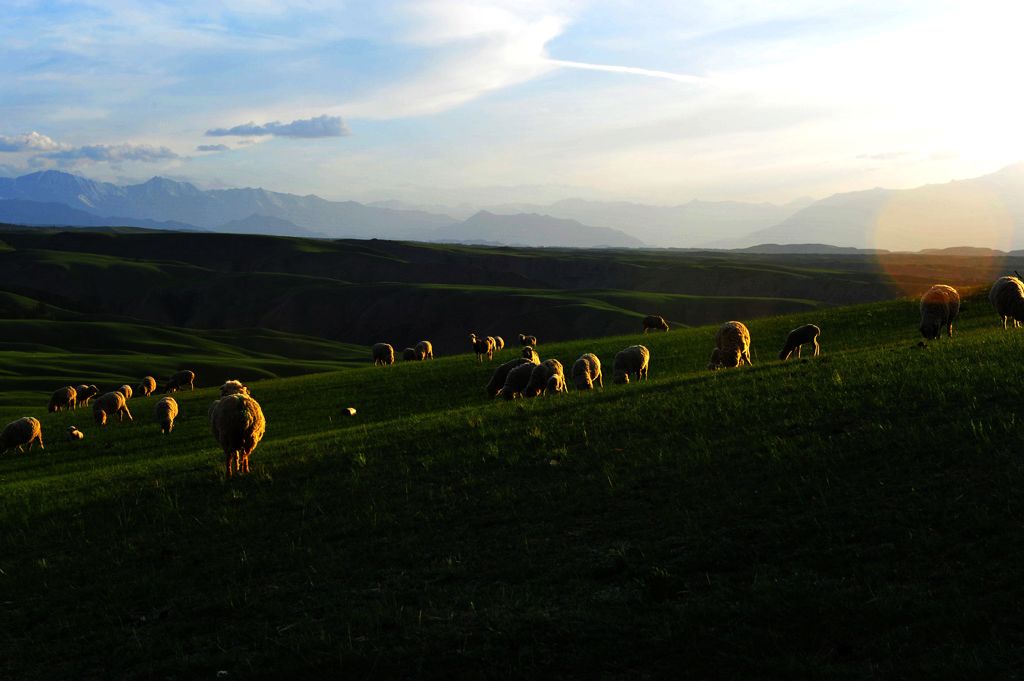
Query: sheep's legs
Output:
(798,351)
(817,348)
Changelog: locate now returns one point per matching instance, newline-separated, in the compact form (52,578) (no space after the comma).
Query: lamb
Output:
(383,354)
(73,434)
(633,360)
(499,343)
(63,398)
(653,321)
(808,333)
(586,372)
(409,355)
(179,380)
(125,390)
(109,404)
(500,374)
(482,346)
(166,412)
(516,381)
(147,386)
(531,354)
(86,393)
(233,387)
(940,306)
(238,425)
(1007,296)
(17,434)
(527,340)
(732,346)
(543,378)
(424,350)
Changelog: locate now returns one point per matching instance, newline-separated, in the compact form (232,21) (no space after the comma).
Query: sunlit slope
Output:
(849,516)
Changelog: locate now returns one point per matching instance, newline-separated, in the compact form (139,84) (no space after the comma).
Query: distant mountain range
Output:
(983,212)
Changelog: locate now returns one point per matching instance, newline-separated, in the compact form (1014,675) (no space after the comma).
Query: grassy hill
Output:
(852,516)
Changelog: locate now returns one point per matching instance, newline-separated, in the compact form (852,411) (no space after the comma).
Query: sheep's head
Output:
(620,378)
(785,352)
(930,329)
(100,416)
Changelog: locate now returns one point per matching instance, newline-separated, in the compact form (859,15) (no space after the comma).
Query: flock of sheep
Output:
(236,419)
(238,424)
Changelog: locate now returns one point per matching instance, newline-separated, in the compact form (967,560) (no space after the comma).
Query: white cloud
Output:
(32,141)
(320,126)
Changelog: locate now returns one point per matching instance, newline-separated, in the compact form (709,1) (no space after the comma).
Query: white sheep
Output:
(482,346)
(654,322)
(808,333)
(147,386)
(238,424)
(499,343)
(525,340)
(541,378)
(409,355)
(17,434)
(940,306)
(63,398)
(125,390)
(633,360)
(517,380)
(233,387)
(494,386)
(166,411)
(383,354)
(73,434)
(424,350)
(84,394)
(531,354)
(732,346)
(109,404)
(179,380)
(586,371)
(1007,296)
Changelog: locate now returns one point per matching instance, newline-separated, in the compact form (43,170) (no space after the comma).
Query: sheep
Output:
(586,372)
(632,360)
(808,333)
(424,350)
(732,346)
(179,380)
(166,412)
(525,340)
(63,398)
(541,378)
(125,390)
(940,306)
(17,434)
(147,386)
(1007,296)
(531,354)
(499,343)
(494,386)
(383,354)
(556,384)
(409,355)
(482,346)
(85,393)
(73,433)
(233,387)
(516,381)
(109,404)
(653,321)
(238,425)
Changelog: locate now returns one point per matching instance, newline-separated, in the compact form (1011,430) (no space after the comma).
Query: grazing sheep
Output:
(1007,296)
(147,386)
(940,306)
(17,434)
(482,346)
(63,398)
(179,380)
(527,340)
(73,434)
(424,350)
(233,387)
(732,346)
(541,378)
(556,384)
(84,394)
(531,354)
(383,354)
(516,381)
(349,411)
(633,360)
(499,343)
(494,386)
(409,355)
(653,321)
(109,404)
(808,333)
(125,390)
(586,372)
(166,412)
(238,425)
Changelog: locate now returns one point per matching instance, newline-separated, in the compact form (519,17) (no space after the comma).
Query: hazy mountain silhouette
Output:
(533,230)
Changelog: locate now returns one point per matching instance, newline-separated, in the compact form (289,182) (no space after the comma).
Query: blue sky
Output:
(440,101)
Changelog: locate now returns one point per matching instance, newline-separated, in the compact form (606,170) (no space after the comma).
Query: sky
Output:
(447,102)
